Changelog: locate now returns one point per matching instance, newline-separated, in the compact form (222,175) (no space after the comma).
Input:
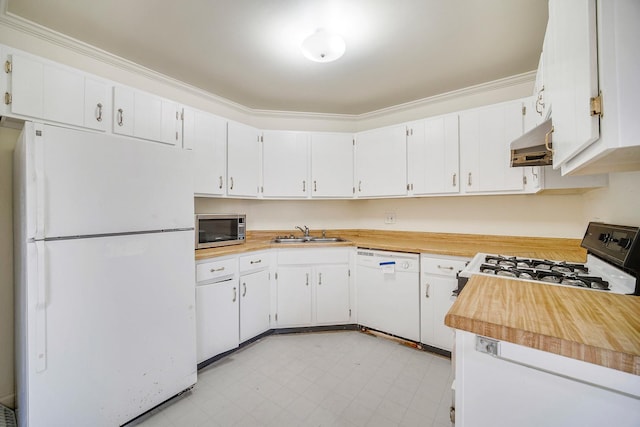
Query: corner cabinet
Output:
(285,164)
(313,287)
(381,162)
(243,160)
(485,137)
(432,156)
(332,165)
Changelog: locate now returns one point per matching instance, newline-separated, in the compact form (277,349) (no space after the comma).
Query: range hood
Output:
(534,147)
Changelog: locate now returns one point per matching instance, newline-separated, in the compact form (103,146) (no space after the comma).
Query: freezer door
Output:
(82,183)
(118,318)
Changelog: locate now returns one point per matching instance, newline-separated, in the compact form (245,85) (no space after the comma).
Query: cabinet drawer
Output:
(216,269)
(444,266)
(255,261)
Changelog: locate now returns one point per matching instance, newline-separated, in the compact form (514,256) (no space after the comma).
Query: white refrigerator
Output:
(105,286)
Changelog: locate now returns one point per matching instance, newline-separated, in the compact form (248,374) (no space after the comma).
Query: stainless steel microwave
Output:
(213,230)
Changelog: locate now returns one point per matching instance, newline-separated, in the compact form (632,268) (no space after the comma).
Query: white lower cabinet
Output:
(313,287)
(255,295)
(437,282)
(217,307)
(332,294)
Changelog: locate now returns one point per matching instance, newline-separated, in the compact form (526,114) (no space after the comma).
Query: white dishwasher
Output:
(388,292)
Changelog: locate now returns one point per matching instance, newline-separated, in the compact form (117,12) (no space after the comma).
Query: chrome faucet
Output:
(304,230)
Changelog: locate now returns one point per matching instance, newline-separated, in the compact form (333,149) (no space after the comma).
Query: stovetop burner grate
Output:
(556,272)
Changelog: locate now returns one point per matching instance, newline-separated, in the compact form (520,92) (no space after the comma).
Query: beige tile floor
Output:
(344,378)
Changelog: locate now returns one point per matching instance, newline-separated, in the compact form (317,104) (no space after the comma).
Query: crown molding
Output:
(48,35)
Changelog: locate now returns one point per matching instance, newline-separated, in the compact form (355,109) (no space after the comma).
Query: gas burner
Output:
(560,273)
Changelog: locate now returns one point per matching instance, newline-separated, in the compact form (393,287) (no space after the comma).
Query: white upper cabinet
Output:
(381,162)
(572,78)
(285,164)
(618,148)
(331,164)
(432,155)
(243,160)
(485,137)
(44,90)
(206,134)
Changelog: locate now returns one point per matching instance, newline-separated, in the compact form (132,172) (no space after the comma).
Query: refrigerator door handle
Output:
(41,308)
(40,181)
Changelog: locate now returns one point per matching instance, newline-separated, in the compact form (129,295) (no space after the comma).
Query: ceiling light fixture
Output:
(323,46)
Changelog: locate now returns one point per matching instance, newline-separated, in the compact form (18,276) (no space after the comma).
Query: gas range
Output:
(613,260)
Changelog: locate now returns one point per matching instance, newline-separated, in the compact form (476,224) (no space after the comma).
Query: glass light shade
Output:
(322,46)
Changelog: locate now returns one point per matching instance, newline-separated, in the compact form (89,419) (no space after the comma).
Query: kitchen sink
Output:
(308,239)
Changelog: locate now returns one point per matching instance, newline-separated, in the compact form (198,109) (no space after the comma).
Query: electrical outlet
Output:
(390,218)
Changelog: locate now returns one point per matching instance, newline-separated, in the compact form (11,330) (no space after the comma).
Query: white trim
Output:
(59,39)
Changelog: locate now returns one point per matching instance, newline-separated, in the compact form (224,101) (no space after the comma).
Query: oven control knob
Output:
(604,237)
(624,243)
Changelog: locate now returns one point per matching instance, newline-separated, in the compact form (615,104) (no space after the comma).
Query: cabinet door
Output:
(123,101)
(436,300)
(572,79)
(332,164)
(147,116)
(294,296)
(381,162)
(27,86)
(485,138)
(171,129)
(432,155)
(255,303)
(285,164)
(332,294)
(207,135)
(96,104)
(216,318)
(63,98)
(243,160)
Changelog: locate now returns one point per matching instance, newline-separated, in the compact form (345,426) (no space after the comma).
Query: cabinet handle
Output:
(307,283)
(256,262)
(99,112)
(469,179)
(304,186)
(120,116)
(426,292)
(235,294)
(319,278)
(315,186)
(213,270)
(359,186)
(244,289)
(442,267)
(231,181)
(547,140)
(220,186)
(454,179)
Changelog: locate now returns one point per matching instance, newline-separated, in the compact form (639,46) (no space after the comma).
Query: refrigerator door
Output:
(117,329)
(81,183)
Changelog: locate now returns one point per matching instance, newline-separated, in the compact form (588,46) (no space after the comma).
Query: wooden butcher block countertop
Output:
(464,245)
(593,326)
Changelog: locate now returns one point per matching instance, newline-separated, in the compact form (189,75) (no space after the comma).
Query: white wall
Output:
(618,204)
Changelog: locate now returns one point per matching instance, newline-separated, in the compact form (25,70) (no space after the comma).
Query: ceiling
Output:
(248,50)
